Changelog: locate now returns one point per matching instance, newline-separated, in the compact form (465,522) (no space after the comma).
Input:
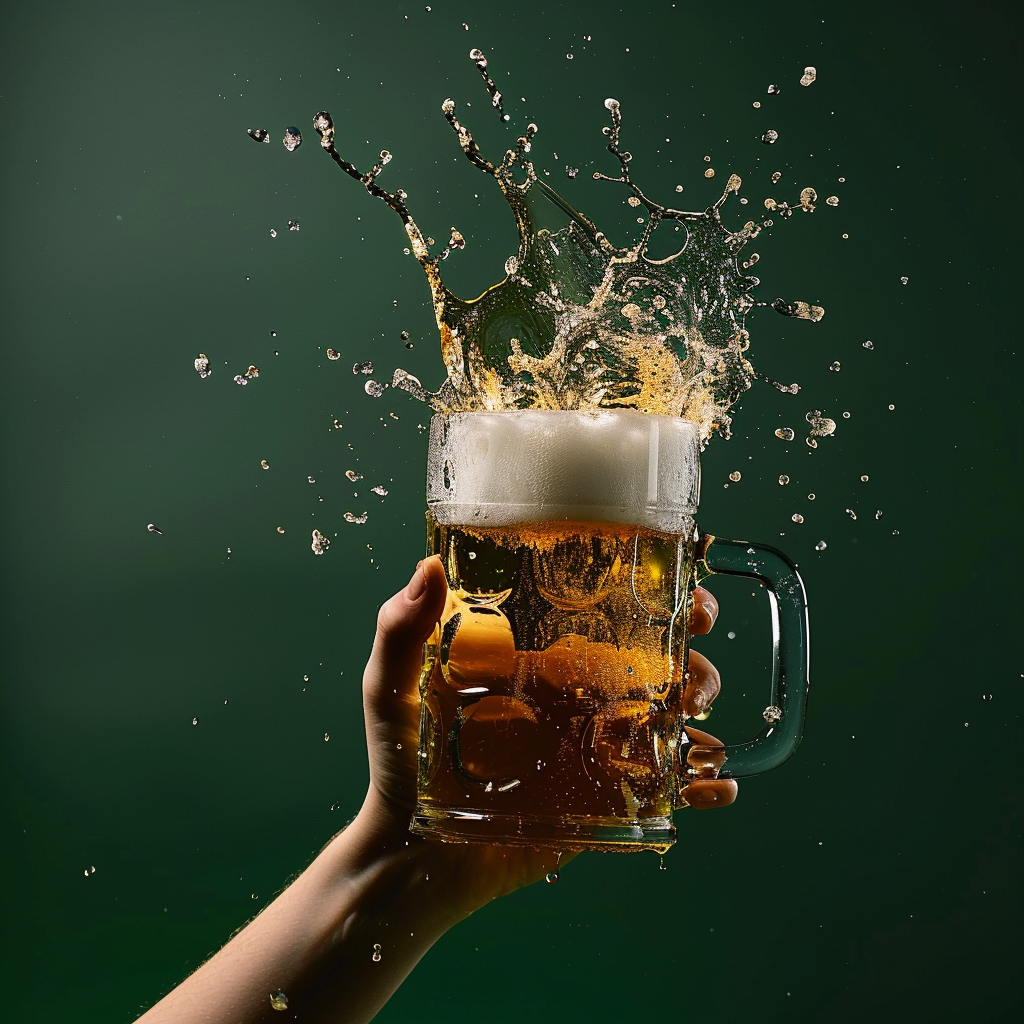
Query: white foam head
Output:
(508,468)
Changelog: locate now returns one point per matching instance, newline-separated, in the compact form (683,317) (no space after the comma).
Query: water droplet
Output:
(264,464)
(611,104)
(278,1000)
(351,517)
(320,543)
(353,475)
(679,188)
(735,476)
(311,479)
(797,518)
(851,513)
(378,489)
(904,280)
(878,514)
(293,225)
(811,496)
(785,433)
(239,379)
(202,365)
(864,479)
(892,408)
(273,233)
(770,137)
(327,737)
(90,871)
(869,344)
(292,138)
(809,75)
(709,173)
(772,714)
(280,529)
(773,90)
(757,104)
(331,354)
(195,721)
(820,546)
(835,367)
(832,200)
(783,480)
(365,367)
(376,945)
(374,388)
(259,134)
(551,877)
(153,528)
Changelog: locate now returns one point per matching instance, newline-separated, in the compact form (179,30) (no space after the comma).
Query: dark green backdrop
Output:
(877,873)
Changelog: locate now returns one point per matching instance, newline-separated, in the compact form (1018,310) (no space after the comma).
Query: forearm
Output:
(371,886)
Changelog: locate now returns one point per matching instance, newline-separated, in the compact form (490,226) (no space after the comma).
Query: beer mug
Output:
(552,688)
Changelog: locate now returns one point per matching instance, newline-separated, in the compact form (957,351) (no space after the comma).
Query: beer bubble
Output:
(351,517)
(820,546)
(278,1000)
(259,135)
(376,953)
(202,365)
(757,104)
(785,433)
(783,480)
(735,476)
(320,543)
(846,415)
(811,496)
(770,137)
(373,388)
(864,479)
(772,714)
(809,75)
(797,518)
(292,139)
(364,367)
(331,354)
(892,408)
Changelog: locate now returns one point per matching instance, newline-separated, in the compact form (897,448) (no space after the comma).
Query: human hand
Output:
(391,705)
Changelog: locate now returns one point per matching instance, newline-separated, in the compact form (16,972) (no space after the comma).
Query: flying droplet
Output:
(292,138)
(783,480)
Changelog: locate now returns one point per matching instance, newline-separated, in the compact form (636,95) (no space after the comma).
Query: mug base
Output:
(566,832)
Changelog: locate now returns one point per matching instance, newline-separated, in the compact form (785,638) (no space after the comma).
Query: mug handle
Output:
(790,662)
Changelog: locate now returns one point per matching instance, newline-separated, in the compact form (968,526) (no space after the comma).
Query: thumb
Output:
(404,622)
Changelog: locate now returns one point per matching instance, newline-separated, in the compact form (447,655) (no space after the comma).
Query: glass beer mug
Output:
(552,688)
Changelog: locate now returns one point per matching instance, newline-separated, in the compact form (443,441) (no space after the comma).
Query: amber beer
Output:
(552,687)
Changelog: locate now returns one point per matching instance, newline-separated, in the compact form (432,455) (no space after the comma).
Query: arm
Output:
(376,884)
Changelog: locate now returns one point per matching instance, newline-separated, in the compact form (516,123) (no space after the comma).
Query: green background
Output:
(877,873)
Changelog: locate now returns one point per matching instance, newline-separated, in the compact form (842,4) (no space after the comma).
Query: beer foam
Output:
(498,469)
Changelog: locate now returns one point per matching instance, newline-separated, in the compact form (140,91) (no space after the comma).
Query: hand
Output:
(391,704)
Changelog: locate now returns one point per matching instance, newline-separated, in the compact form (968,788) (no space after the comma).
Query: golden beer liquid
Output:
(551,688)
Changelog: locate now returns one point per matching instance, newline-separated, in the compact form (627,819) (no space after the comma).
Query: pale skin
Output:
(375,883)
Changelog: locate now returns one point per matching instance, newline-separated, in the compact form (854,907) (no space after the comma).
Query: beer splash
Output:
(579,323)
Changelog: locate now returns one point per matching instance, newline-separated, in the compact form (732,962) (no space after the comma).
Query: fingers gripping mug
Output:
(552,689)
